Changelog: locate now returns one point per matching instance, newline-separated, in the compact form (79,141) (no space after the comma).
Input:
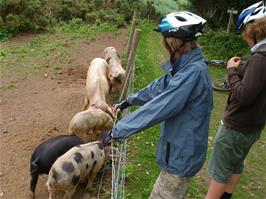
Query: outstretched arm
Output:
(147,93)
(161,107)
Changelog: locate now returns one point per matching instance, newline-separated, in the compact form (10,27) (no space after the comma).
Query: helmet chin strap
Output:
(254,39)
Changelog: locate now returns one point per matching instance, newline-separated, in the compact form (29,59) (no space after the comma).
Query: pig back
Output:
(78,162)
(96,82)
(48,151)
(83,123)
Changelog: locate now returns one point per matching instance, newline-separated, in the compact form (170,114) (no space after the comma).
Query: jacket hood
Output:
(185,60)
(261,49)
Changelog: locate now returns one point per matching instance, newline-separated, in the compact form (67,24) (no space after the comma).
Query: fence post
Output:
(132,30)
(130,61)
(232,11)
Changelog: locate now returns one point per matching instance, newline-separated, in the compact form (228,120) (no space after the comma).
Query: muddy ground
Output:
(39,107)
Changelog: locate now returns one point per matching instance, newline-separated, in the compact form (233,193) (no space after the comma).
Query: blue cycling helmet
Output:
(253,12)
(183,25)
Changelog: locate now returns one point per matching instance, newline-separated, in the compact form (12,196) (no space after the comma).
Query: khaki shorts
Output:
(169,186)
(229,152)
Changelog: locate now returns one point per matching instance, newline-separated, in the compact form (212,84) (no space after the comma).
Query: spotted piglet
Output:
(46,154)
(78,165)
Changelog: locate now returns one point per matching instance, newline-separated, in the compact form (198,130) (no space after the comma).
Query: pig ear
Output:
(108,60)
(117,54)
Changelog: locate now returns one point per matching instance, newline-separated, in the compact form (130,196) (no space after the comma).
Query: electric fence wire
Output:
(119,153)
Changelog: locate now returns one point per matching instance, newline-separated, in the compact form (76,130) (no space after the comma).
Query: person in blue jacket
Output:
(181,100)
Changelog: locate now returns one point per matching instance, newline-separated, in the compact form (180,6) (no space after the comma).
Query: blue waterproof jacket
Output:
(182,102)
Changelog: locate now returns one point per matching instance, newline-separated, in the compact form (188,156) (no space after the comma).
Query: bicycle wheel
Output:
(221,84)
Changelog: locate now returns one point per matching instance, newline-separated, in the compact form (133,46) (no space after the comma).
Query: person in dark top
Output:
(245,112)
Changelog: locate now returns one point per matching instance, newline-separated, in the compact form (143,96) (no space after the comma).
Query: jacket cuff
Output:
(129,99)
(231,72)
(232,75)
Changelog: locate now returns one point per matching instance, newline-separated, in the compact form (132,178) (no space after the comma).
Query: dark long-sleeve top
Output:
(246,105)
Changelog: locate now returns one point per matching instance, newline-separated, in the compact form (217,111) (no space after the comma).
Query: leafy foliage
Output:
(215,12)
(19,15)
(105,16)
(222,45)
(32,15)
(163,6)
(77,28)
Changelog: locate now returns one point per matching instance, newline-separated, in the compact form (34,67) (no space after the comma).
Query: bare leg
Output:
(90,181)
(216,190)
(51,193)
(230,186)
(33,183)
(92,176)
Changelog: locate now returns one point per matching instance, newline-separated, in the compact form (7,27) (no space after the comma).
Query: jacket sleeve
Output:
(147,93)
(161,107)
(247,89)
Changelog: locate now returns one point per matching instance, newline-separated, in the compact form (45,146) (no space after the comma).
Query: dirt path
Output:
(40,107)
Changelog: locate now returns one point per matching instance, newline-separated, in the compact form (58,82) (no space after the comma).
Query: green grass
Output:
(47,51)
(76,28)
(142,170)
(32,57)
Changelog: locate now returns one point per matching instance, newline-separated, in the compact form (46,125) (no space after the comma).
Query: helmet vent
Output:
(180,18)
(256,12)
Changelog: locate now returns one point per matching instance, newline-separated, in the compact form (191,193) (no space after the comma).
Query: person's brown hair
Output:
(256,30)
(176,47)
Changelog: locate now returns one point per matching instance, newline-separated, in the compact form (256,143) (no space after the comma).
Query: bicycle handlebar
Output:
(216,62)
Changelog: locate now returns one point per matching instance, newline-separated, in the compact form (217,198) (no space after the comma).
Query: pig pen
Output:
(40,107)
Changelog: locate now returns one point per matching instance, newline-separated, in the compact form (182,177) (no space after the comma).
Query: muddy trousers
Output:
(169,186)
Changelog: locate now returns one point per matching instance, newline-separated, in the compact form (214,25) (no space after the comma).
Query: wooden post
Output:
(231,12)
(131,60)
(132,30)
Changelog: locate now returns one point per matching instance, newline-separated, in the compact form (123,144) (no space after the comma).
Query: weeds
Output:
(222,45)
(48,50)
(9,85)
(76,28)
